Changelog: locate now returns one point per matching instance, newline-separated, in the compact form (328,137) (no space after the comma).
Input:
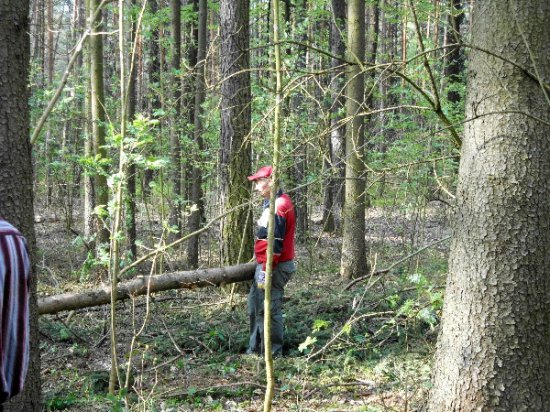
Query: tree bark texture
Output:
(49,69)
(196,197)
(132,104)
(175,146)
(492,353)
(37,38)
(235,154)
(294,16)
(191,41)
(334,187)
(88,180)
(145,284)
(101,189)
(16,182)
(353,263)
(455,58)
(297,171)
(153,93)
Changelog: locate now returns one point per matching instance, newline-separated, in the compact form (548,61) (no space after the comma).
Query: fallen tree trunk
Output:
(146,284)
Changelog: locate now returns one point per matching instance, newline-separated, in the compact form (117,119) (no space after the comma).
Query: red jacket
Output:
(285,229)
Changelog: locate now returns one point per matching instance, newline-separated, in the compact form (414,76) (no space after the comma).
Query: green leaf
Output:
(347,328)
(320,324)
(101,211)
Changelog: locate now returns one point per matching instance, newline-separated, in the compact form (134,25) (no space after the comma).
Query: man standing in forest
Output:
(283,264)
(15,269)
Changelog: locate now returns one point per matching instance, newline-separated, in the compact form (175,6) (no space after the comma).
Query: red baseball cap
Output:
(262,172)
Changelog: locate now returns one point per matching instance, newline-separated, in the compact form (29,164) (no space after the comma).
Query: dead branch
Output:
(143,284)
(388,269)
(217,387)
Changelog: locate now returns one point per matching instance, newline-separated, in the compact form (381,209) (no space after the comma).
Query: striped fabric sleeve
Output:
(15,268)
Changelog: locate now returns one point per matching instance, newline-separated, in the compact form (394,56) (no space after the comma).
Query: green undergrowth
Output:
(364,349)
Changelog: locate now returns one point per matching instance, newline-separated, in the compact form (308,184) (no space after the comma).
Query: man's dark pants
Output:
(281,275)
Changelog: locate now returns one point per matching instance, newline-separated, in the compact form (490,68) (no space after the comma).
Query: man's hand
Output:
(260,279)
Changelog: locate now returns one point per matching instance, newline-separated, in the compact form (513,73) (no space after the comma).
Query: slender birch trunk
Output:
(271,226)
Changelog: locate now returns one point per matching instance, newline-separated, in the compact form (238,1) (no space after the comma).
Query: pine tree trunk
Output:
(382,57)
(101,190)
(334,186)
(372,24)
(175,147)
(89,193)
(353,263)
(16,182)
(196,197)
(131,185)
(191,39)
(235,154)
(455,58)
(49,68)
(299,152)
(153,70)
(37,35)
(492,353)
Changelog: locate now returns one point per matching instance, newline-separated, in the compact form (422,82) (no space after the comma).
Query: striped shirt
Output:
(15,269)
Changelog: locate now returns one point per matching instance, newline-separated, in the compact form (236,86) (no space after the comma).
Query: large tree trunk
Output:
(492,353)
(144,285)
(16,183)
(235,154)
(353,263)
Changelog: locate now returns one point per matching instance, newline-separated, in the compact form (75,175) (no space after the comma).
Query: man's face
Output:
(263,187)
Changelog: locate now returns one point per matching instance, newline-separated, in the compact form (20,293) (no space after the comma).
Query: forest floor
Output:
(368,348)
